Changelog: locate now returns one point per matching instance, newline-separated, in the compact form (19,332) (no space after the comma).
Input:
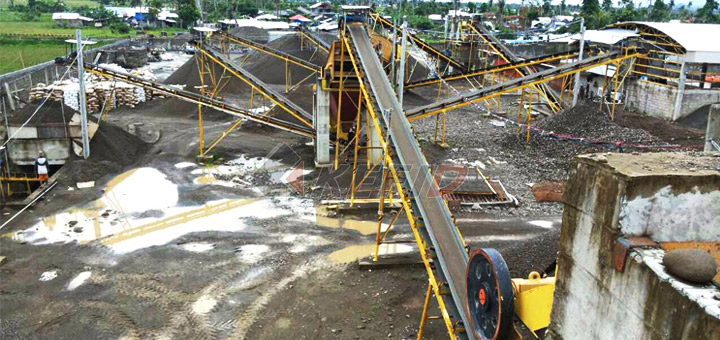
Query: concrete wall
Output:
(665,196)
(659,101)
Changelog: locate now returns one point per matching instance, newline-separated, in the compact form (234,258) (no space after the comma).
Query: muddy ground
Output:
(274,264)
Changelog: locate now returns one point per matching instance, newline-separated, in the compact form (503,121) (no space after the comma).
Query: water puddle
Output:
(324,218)
(198,247)
(252,253)
(203,305)
(79,280)
(139,209)
(354,252)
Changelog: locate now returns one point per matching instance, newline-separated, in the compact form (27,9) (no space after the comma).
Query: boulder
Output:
(692,265)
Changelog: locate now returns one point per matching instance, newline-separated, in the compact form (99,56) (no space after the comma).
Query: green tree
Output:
(563,7)
(659,12)
(590,11)
(707,12)
(499,15)
(607,5)
(472,7)
(626,13)
(547,8)
(187,13)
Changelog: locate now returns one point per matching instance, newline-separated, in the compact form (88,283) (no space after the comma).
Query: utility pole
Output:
(200,10)
(401,68)
(576,85)
(393,53)
(81,94)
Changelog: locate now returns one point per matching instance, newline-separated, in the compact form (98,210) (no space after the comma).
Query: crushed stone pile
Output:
(271,70)
(534,254)
(255,34)
(111,150)
(189,75)
(51,112)
(552,158)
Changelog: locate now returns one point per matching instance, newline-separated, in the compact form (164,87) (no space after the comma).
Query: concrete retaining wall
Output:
(666,197)
(659,101)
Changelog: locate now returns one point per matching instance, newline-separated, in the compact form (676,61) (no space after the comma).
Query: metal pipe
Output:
(82,100)
(401,68)
(576,85)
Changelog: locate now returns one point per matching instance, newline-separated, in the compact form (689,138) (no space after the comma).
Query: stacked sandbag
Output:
(98,90)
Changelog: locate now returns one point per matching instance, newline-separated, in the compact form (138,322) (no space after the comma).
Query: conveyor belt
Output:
(510,57)
(319,42)
(271,51)
(260,86)
(494,68)
(195,98)
(421,43)
(515,84)
(443,237)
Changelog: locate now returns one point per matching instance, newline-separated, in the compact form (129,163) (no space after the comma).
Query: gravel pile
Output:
(506,156)
(550,157)
(111,150)
(271,70)
(255,34)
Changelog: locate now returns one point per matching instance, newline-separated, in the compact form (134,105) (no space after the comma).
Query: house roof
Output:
(694,38)
(70,16)
(320,4)
(607,36)
(267,17)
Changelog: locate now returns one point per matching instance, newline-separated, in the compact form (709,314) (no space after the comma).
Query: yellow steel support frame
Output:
(553,106)
(256,88)
(522,86)
(310,39)
(422,247)
(472,75)
(376,17)
(268,52)
(217,84)
(338,120)
(355,157)
(201,129)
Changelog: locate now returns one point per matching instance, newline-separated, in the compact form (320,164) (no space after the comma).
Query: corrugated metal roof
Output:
(693,37)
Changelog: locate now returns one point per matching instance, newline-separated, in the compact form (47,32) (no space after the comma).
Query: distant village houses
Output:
(71,20)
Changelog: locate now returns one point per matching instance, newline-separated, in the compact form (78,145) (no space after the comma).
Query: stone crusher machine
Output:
(494,299)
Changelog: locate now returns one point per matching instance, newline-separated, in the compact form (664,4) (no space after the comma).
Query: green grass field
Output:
(26,43)
(20,55)
(11,24)
(69,3)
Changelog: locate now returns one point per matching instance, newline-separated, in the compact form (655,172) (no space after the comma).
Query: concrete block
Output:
(664,196)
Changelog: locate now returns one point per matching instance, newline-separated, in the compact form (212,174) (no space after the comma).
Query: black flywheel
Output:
(489,294)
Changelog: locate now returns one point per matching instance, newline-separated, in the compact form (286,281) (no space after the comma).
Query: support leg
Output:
(424,316)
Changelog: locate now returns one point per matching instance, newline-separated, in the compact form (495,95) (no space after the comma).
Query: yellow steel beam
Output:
(425,46)
(520,86)
(203,211)
(312,40)
(550,103)
(489,70)
(200,99)
(270,52)
(255,87)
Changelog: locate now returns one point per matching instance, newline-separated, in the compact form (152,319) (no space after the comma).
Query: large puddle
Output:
(354,252)
(139,208)
(324,218)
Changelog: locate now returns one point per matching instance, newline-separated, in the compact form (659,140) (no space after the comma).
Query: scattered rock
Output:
(692,265)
